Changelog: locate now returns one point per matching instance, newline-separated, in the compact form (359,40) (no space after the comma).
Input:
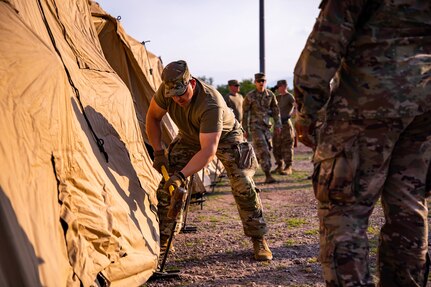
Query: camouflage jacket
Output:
(377,54)
(258,108)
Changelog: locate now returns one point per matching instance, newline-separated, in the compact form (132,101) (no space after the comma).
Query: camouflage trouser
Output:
(283,145)
(356,163)
(262,142)
(241,180)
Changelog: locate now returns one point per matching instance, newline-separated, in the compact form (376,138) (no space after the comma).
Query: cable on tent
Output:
(149,64)
(100,142)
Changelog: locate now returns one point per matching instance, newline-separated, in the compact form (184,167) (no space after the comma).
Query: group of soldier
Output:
(254,112)
(362,87)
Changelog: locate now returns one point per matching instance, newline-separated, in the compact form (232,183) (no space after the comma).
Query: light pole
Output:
(262,36)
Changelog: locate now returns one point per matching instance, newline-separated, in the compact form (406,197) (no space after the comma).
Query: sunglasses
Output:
(261,81)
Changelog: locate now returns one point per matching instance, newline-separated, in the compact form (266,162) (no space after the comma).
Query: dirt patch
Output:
(219,254)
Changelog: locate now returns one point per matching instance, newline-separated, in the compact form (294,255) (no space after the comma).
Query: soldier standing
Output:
(234,99)
(375,138)
(284,141)
(259,105)
(207,127)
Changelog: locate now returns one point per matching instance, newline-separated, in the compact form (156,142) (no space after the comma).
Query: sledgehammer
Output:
(178,198)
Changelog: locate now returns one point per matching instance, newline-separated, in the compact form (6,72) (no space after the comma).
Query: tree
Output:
(208,80)
(245,86)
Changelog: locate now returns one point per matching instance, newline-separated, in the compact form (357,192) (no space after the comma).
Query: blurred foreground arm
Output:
(319,61)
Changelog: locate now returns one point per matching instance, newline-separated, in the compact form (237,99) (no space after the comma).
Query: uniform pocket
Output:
(246,158)
(334,176)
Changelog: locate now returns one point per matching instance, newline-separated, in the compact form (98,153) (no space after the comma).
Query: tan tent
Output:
(77,191)
(138,68)
(141,71)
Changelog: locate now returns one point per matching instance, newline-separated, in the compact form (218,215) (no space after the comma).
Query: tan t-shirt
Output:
(286,104)
(206,113)
(234,101)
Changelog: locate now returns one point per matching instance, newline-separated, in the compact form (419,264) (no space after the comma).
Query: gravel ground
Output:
(219,254)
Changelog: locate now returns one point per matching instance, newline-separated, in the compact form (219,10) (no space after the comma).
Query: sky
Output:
(219,39)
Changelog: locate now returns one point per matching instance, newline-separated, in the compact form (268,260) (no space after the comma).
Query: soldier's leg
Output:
(277,141)
(288,143)
(261,148)
(179,155)
(351,163)
(262,143)
(244,191)
(403,252)
(248,202)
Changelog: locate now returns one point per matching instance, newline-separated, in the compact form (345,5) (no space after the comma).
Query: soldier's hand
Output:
(176,180)
(159,160)
(305,129)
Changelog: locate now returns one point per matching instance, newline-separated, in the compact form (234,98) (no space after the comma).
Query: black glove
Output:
(159,160)
(177,180)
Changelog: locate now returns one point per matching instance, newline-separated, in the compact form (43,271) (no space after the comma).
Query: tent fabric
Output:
(73,207)
(141,71)
(132,62)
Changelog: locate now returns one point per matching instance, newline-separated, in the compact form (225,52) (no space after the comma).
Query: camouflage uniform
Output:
(283,142)
(257,110)
(230,149)
(375,139)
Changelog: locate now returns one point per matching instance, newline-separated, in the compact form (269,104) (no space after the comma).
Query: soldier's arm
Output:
(323,53)
(209,144)
(292,102)
(275,111)
(153,127)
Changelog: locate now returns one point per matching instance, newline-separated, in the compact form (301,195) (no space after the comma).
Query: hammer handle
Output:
(166,177)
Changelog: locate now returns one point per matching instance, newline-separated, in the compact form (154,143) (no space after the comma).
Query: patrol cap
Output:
(259,76)
(176,77)
(233,83)
(281,83)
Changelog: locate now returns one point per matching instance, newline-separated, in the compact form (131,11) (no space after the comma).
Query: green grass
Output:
(373,233)
(373,243)
(373,230)
(295,222)
(303,156)
(289,242)
(312,232)
(299,175)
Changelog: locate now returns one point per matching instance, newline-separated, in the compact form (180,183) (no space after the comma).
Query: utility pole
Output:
(262,36)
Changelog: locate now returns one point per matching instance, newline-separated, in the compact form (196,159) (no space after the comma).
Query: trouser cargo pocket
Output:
(335,173)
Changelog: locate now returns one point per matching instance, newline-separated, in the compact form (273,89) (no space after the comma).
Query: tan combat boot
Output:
(288,170)
(261,249)
(277,169)
(282,172)
(269,178)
